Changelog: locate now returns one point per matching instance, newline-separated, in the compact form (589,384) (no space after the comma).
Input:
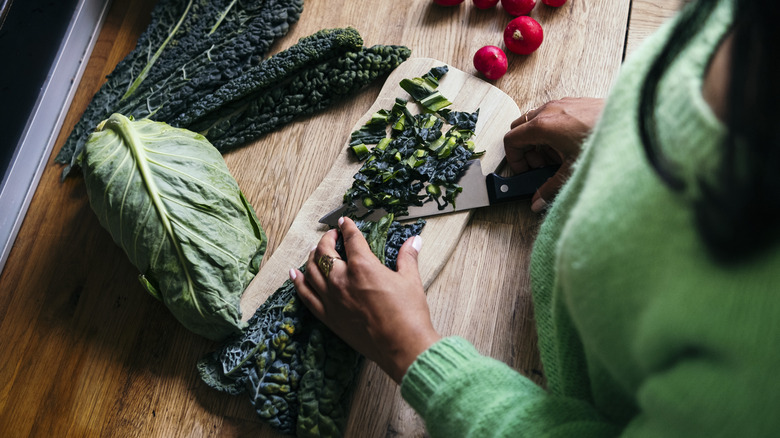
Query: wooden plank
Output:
(86,352)
(646,17)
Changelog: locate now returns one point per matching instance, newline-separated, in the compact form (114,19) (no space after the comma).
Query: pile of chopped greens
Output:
(415,162)
(297,373)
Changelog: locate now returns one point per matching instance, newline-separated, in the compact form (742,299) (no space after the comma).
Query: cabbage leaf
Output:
(168,199)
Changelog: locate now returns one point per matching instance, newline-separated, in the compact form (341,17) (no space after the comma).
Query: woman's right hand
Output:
(381,313)
(551,134)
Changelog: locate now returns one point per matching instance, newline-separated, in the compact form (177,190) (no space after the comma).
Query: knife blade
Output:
(479,190)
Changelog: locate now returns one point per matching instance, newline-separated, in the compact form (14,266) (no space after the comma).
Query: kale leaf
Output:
(190,48)
(298,374)
(235,94)
(306,91)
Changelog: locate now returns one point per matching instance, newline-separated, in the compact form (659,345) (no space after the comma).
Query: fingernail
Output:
(341,221)
(417,243)
(293,274)
(538,205)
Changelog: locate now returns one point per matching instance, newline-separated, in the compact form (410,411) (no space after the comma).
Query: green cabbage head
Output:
(168,199)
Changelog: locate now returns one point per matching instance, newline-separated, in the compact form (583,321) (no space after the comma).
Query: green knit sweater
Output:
(641,333)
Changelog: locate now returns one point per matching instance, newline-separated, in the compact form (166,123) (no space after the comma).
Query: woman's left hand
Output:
(381,313)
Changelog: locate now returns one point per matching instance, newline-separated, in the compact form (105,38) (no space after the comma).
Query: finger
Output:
(408,256)
(527,135)
(531,146)
(526,117)
(313,275)
(515,151)
(309,297)
(327,246)
(354,242)
(333,267)
(521,146)
(549,190)
(327,243)
(535,159)
(551,155)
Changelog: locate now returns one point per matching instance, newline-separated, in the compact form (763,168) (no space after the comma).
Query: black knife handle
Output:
(516,187)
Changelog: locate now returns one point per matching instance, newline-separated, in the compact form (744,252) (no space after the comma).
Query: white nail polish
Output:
(341,221)
(293,274)
(417,243)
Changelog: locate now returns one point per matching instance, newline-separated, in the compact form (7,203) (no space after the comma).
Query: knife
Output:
(479,190)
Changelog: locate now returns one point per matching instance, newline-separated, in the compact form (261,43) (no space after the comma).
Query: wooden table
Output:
(86,352)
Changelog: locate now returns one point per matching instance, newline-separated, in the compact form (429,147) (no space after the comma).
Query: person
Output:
(655,271)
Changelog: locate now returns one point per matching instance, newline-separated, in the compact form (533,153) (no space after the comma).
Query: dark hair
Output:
(738,213)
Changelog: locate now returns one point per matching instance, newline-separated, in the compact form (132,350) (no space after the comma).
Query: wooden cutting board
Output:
(441,233)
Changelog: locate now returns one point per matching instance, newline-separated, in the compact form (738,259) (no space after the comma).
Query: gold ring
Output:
(325,263)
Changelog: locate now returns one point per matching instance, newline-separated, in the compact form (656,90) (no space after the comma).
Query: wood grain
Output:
(646,17)
(86,352)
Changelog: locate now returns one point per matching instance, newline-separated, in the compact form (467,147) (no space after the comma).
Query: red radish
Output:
(518,7)
(523,35)
(485,4)
(554,3)
(448,2)
(491,62)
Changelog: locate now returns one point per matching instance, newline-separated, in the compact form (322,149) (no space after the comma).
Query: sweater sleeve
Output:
(460,393)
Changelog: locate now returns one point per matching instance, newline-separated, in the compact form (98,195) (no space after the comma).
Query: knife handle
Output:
(516,187)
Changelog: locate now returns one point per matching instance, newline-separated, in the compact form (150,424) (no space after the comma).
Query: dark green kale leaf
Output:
(326,385)
(190,48)
(235,38)
(304,92)
(154,39)
(298,374)
(236,94)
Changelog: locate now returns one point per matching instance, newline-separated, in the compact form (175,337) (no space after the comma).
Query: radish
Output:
(448,2)
(554,3)
(523,35)
(491,62)
(518,7)
(485,4)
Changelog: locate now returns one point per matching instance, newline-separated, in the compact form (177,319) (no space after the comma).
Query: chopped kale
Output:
(423,89)
(417,160)
(461,120)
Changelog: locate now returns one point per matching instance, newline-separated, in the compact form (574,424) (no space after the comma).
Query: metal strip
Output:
(37,141)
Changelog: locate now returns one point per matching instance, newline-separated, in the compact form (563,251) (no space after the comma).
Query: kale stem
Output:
(141,76)
(222,17)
